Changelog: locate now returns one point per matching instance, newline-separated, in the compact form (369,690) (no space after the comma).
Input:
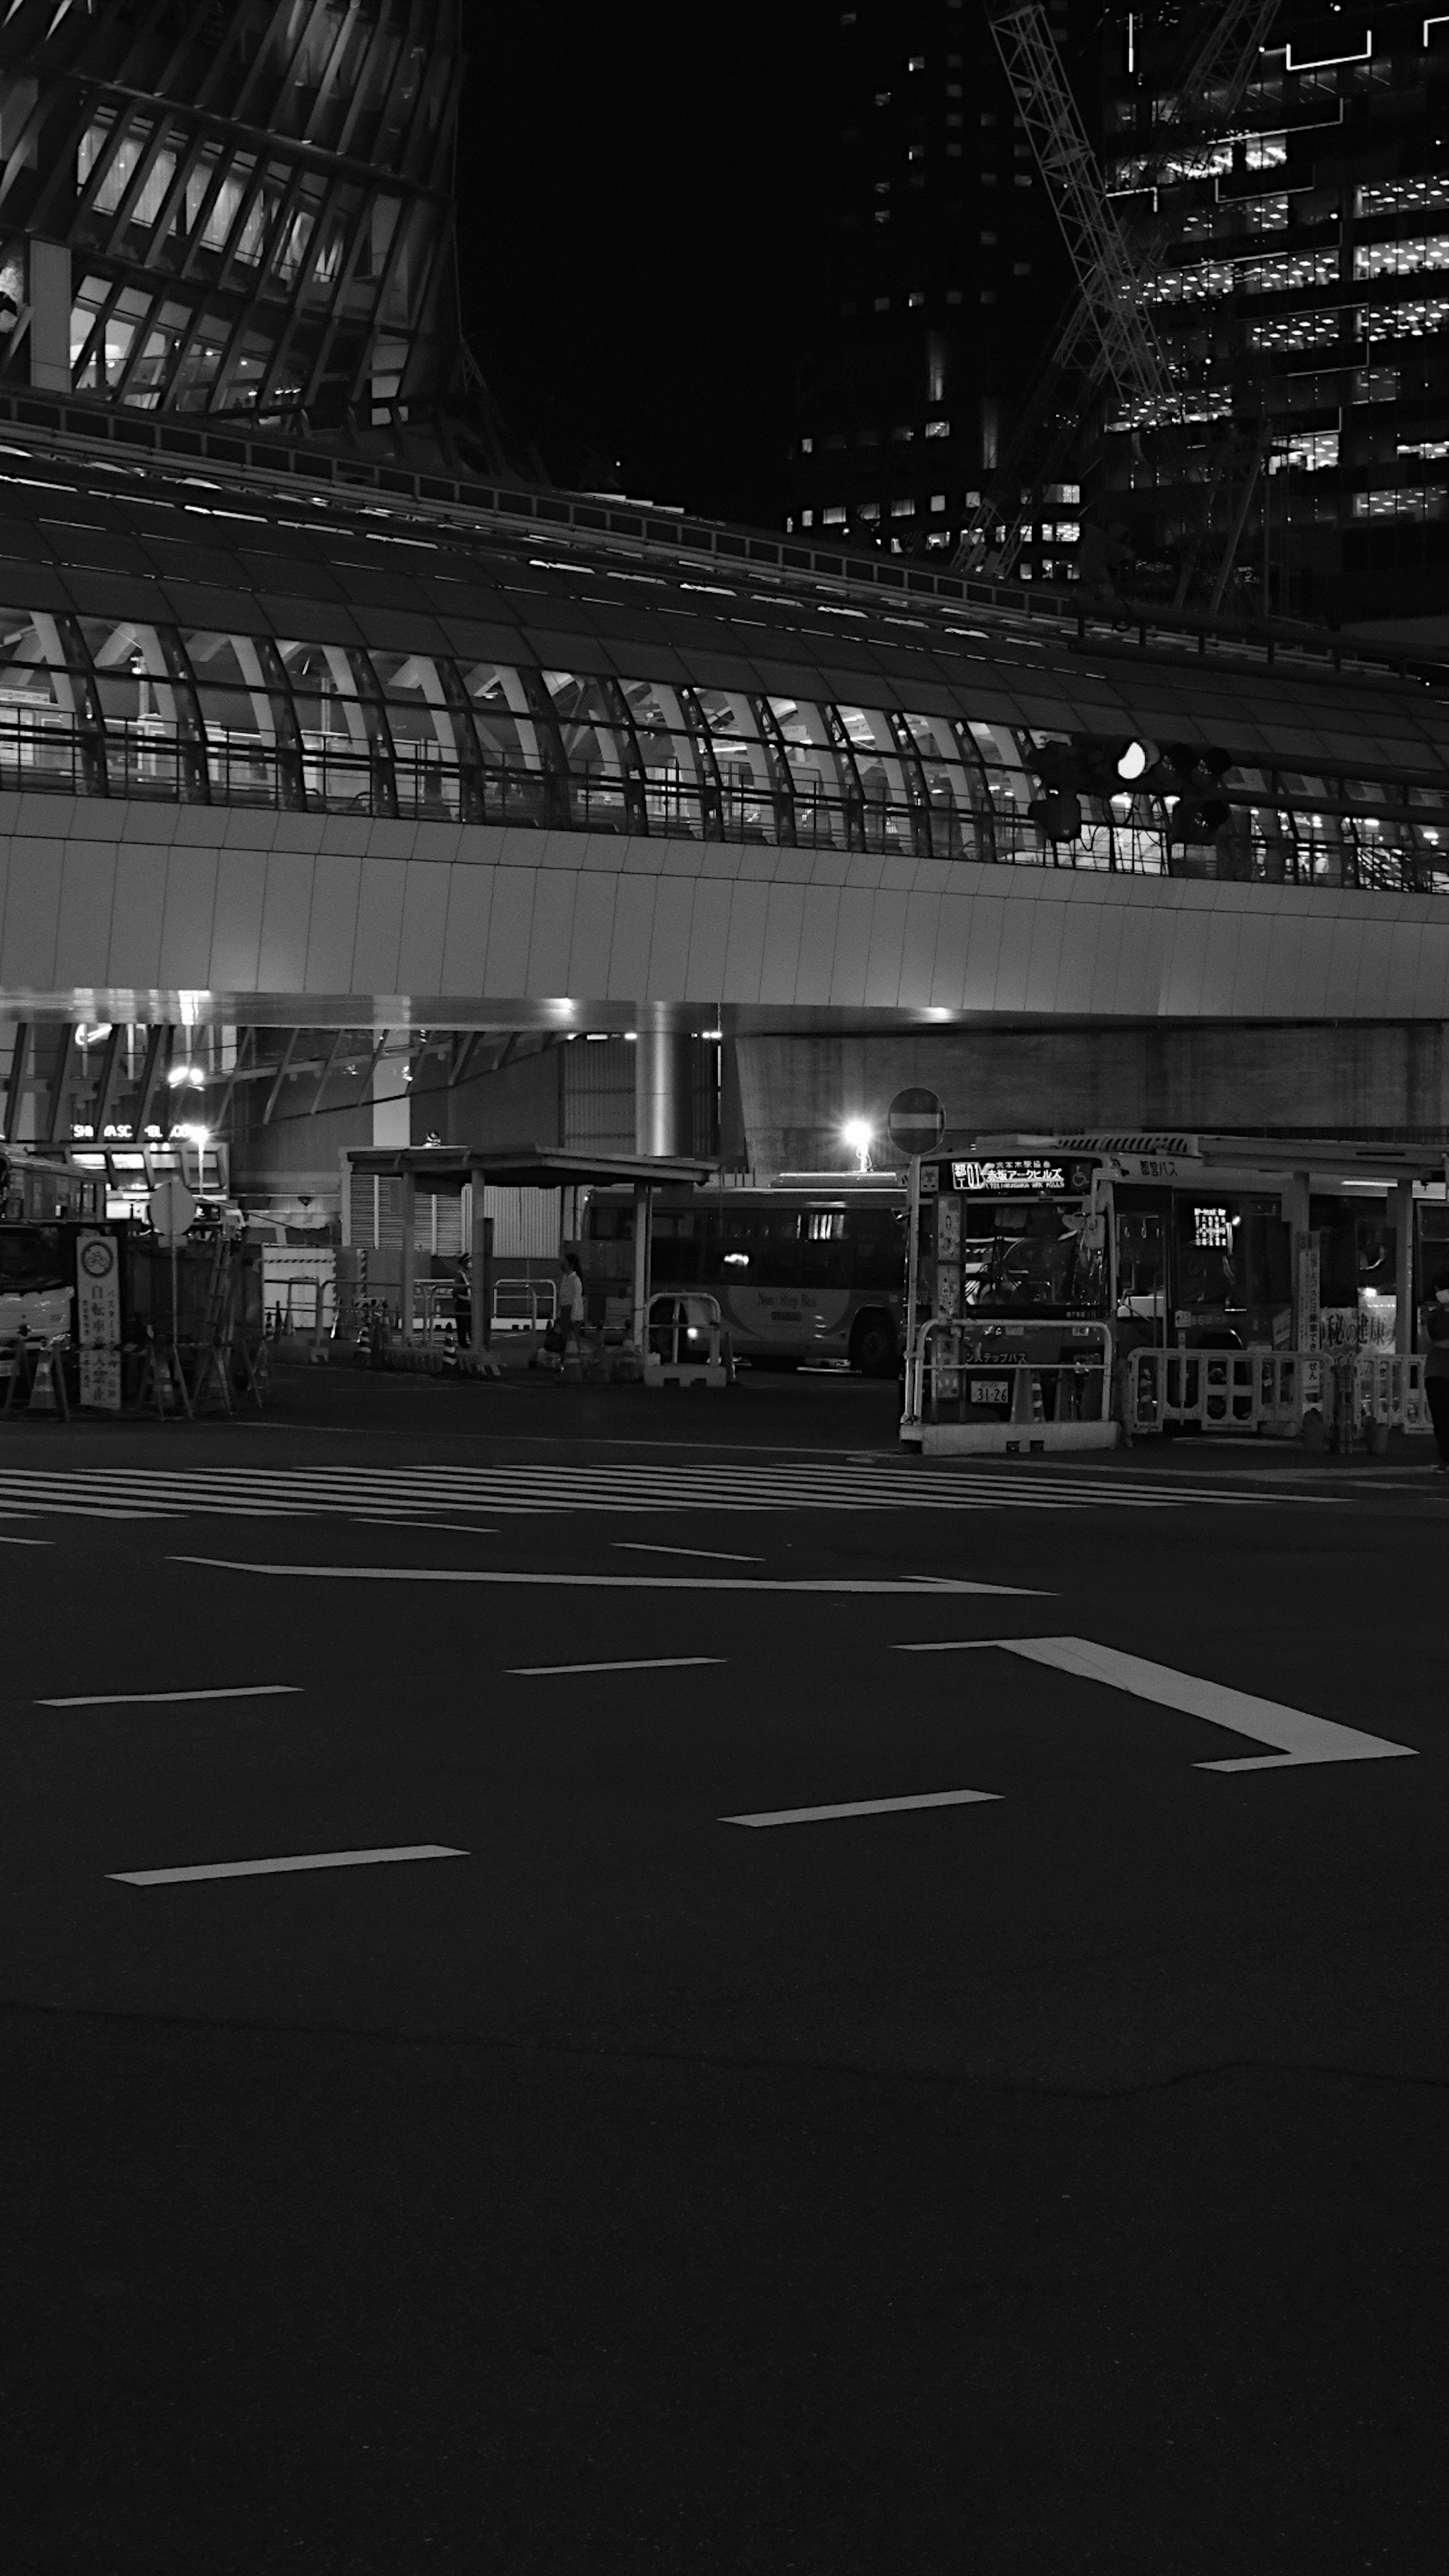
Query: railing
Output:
(684,1338)
(1352,1392)
(1391,850)
(520,1305)
(952,1375)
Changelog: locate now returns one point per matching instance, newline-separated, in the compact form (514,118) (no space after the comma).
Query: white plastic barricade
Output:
(685,1343)
(962,1393)
(1390,1392)
(1251,1391)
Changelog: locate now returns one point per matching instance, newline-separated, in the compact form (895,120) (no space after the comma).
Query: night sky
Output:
(633,199)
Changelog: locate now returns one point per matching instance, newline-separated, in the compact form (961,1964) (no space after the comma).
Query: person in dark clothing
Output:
(1436,1368)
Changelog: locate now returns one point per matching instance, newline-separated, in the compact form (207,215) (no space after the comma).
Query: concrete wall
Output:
(797,1091)
(126,908)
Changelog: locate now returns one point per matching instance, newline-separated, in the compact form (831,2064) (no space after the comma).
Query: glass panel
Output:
(744,769)
(425,747)
(823,785)
(337,761)
(888,821)
(41,704)
(678,787)
(514,768)
(950,799)
(138,704)
(596,751)
(1010,789)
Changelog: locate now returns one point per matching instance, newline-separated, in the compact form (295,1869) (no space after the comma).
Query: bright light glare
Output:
(193,1134)
(183,1075)
(1133,761)
(857,1133)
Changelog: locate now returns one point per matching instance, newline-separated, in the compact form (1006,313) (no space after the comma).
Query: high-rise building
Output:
(939,280)
(233,208)
(1301,287)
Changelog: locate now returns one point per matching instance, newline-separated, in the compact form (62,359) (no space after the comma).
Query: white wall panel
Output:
(32,911)
(188,917)
(465,940)
(424,927)
(286,913)
(137,913)
(237,938)
(88,886)
(379,926)
(332,923)
(725,924)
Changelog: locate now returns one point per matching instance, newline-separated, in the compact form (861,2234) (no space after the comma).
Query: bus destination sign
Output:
(1031,1175)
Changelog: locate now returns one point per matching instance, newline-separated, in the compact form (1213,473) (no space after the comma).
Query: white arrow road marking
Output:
(610,1582)
(865,1807)
(295,1860)
(1300,1738)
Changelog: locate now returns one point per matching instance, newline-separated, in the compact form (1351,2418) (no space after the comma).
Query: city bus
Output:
(804,1271)
(1048,1245)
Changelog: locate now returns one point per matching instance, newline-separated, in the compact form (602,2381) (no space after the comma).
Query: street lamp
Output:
(858,1133)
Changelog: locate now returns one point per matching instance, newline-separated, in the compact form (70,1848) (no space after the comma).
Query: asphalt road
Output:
(1048,2180)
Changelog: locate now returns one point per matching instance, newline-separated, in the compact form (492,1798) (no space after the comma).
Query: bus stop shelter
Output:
(448,1168)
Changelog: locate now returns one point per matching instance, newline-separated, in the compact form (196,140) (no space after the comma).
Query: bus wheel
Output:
(873,1346)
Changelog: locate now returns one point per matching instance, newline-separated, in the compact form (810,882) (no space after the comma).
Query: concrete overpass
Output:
(325,762)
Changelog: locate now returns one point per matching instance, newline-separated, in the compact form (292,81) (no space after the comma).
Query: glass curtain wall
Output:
(96,706)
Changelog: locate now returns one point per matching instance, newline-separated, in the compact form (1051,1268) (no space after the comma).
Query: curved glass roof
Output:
(177,635)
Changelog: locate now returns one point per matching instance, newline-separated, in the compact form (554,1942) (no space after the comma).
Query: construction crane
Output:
(1108,339)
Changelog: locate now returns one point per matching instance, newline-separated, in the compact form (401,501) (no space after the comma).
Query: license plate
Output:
(990,1390)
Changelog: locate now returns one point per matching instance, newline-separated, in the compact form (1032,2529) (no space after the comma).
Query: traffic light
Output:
(1189,771)
(1058,813)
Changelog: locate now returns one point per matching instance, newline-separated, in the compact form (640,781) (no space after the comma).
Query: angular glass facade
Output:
(240,209)
(174,630)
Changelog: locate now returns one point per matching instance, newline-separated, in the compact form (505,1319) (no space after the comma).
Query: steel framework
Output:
(1107,337)
(239,208)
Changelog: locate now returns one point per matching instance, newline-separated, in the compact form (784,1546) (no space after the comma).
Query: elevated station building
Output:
(349,797)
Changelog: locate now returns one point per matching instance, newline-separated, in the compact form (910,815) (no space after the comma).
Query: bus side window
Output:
(674,1261)
(878,1236)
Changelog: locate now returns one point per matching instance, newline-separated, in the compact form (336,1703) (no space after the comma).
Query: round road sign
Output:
(917,1122)
(171,1209)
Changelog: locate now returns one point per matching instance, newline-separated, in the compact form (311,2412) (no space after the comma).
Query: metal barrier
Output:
(516,1307)
(961,1393)
(1276,1392)
(685,1343)
(1390,1392)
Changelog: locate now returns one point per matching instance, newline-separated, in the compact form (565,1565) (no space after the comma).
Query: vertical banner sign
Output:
(98,1301)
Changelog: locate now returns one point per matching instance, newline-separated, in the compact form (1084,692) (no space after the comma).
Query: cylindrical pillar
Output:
(1403,1221)
(663,1087)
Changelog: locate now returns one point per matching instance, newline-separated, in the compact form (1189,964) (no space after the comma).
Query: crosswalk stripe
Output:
(529,1489)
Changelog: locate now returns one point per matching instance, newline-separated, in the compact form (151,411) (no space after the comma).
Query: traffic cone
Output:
(42,1385)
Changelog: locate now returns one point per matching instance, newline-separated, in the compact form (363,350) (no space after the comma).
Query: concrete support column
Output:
(663,1086)
(1402,1213)
(409,1257)
(642,1197)
(480,1267)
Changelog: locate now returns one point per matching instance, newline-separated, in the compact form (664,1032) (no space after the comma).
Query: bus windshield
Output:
(1024,1254)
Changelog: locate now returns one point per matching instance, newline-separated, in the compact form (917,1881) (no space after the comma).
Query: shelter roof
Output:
(528,1167)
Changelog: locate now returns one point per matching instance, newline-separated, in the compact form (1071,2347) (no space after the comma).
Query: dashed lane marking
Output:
(717,1555)
(294,1860)
(866,1807)
(914,1590)
(626,1664)
(138,1699)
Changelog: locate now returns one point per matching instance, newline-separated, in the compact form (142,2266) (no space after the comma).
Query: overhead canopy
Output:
(527,1167)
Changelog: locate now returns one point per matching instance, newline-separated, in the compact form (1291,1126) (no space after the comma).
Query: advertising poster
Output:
(98,1320)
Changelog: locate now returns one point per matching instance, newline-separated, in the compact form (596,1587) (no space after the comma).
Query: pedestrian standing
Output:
(571,1304)
(1436,1368)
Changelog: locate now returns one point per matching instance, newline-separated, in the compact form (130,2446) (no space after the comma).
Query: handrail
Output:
(1374,848)
(925,1370)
